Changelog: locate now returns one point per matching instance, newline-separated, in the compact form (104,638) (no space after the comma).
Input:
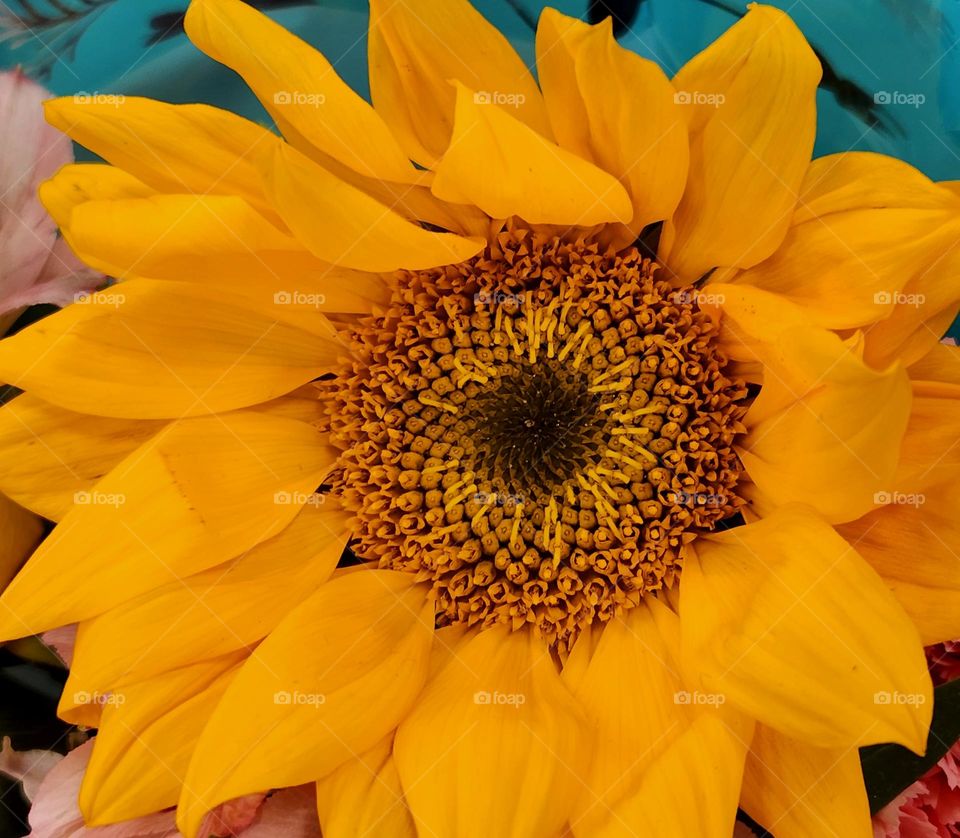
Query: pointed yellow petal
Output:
(203,491)
(645,725)
(749,97)
(172,148)
(864,179)
(357,230)
(79,183)
(218,611)
(616,109)
(506,168)
(20,532)
(416,49)
(327,684)
(855,673)
(826,427)
(496,727)
(184,237)
(311,104)
(866,226)
(155,349)
(145,738)
(50,453)
(363,797)
(796,790)
(912,538)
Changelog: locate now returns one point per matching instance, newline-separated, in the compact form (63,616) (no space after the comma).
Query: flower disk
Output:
(538,431)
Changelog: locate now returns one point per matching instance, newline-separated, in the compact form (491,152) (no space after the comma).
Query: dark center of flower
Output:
(538,432)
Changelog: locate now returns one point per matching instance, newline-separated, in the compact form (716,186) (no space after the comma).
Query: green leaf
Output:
(889,769)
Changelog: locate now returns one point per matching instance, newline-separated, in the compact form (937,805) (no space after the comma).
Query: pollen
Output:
(538,432)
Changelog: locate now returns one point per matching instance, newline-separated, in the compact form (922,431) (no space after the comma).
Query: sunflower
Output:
(635,421)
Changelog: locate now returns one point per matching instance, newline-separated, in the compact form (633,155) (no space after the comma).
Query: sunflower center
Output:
(538,432)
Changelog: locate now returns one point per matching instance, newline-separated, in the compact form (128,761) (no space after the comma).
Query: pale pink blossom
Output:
(35,265)
(288,813)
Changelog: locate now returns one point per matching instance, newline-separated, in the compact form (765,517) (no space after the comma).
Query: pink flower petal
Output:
(29,767)
(288,813)
(62,641)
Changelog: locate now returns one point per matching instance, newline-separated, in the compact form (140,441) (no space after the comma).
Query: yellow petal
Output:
(617,110)
(79,183)
(939,365)
(641,780)
(218,611)
(20,532)
(327,684)
(145,737)
(506,168)
(865,226)
(185,237)
(50,453)
(864,179)
(172,148)
(912,537)
(357,230)
(855,673)
(796,790)
(752,118)
(416,49)
(155,349)
(750,319)
(826,428)
(363,797)
(311,104)
(203,491)
(494,744)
